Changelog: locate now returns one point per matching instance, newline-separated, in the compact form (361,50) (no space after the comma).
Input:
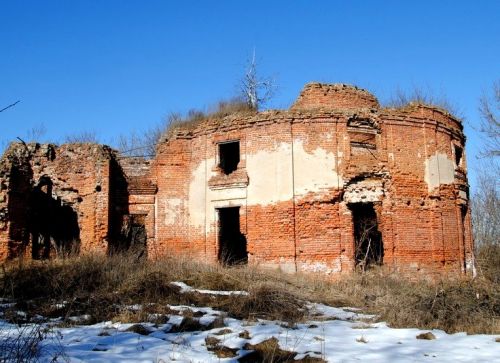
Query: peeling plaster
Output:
(314,171)
(197,195)
(439,170)
(172,210)
(270,180)
(320,267)
(270,173)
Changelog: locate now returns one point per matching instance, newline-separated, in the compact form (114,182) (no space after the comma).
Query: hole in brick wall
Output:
(232,243)
(53,226)
(369,249)
(458,155)
(229,156)
(98,188)
(363,140)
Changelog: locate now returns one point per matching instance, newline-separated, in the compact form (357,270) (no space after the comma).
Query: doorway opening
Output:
(232,243)
(368,245)
(53,226)
(138,235)
(133,236)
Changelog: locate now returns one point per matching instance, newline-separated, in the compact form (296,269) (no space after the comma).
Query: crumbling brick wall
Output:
(303,171)
(135,206)
(45,188)
(291,189)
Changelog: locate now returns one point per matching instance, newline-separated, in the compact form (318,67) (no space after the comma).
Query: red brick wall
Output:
(334,96)
(299,171)
(421,224)
(80,177)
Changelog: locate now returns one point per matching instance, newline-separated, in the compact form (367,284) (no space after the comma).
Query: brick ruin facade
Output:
(332,183)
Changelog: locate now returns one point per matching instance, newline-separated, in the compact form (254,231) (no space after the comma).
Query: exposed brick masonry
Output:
(304,180)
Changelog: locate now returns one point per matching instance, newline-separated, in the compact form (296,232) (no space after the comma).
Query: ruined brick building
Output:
(334,182)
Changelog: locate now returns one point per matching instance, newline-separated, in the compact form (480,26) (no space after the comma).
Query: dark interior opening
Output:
(458,155)
(229,156)
(369,248)
(232,243)
(134,236)
(53,226)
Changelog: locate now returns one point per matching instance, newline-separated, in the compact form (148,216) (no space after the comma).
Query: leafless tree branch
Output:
(489,108)
(256,90)
(9,106)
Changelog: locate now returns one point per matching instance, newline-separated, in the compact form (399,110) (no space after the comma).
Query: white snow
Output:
(187,288)
(334,334)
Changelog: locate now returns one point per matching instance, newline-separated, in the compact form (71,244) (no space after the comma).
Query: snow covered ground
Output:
(333,334)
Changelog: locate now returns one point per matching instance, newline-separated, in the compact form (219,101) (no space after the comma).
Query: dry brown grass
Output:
(217,111)
(103,287)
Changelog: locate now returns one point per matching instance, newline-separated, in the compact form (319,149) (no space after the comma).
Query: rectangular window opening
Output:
(232,243)
(458,155)
(229,156)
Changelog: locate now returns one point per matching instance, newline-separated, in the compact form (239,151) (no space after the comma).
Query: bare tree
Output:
(144,144)
(485,212)
(485,202)
(256,90)
(489,107)
(36,133)
(82,137)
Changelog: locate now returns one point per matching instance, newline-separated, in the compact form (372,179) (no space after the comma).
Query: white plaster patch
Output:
(197,195)
(227,194)
(321,267)
(314,171)
(172,207)
(272,176)
(439,170)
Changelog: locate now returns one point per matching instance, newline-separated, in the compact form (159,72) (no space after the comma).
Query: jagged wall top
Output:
(334,96)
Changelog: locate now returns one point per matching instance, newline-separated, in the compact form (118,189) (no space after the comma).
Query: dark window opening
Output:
(232,243)
(53,226)
(229,156)
(369,249)
(458,155)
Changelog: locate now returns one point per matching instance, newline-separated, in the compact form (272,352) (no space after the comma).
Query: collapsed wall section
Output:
(55,200)
(134,200)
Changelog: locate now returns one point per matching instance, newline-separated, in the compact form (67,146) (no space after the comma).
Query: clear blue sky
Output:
(116,66)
